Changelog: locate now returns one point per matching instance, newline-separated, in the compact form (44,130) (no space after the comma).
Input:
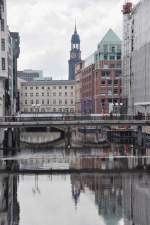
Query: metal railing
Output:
(74,118)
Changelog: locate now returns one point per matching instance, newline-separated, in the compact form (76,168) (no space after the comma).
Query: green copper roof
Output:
(110,38)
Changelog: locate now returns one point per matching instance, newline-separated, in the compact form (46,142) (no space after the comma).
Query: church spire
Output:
(75,29)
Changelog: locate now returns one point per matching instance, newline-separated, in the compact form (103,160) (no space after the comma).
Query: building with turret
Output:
(75,54)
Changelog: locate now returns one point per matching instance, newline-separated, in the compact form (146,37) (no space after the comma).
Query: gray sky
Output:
(46,27)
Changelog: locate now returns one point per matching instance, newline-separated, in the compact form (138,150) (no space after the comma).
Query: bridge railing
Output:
(73,118)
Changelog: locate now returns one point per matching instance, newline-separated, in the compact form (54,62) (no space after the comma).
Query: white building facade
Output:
(136,57)
(3,54)
(50,96)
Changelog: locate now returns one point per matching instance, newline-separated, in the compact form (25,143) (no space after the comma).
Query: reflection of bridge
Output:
(69,121)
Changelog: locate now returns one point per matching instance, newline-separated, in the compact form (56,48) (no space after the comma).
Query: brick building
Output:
(99,78)
(107,84)
(87,86)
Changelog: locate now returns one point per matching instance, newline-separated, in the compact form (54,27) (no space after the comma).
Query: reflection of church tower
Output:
(75,54)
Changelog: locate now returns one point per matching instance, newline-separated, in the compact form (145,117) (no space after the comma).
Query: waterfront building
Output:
(136,56)
(15,39)
(75,54)
(50,96)
(78,74)
(4,58)
(108,73)
(30,75)
(87,86)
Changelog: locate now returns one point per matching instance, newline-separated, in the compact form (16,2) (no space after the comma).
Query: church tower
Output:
(75,54)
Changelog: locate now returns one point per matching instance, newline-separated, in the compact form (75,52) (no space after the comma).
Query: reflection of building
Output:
(104,159)
(9,207)
(107,191)
(136,189)
(47,96)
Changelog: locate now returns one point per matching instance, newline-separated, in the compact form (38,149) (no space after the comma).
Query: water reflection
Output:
(84,199)
(113,157)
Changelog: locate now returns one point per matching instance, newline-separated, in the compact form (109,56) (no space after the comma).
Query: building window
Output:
(3,63)
(37,88)
(37,101)
(113,49)
(26,102)
(54,87)
(31,102)
(105,74)
(60,102)
(65,93)
(109,82)
(54,109)
(60,94)
(72,102)
(26,88)
(115,82)
(3,44)
(71,93)
(103,82)
(118,56)
(2,25)
(48,102)
(60,87)
(43,110)
(115,91)
(112,57)
(54,102)
(105,48)
(31,94)
(66,110)
(43,88)
(37,94)
(60,109)
(31,88)
(42,102)
(26,94)
(66,87)
(48,88)
(25,110)
(65,102)
(42,94)
(105,56)
(54,93)
(71,87)
(47,93)
(71,110)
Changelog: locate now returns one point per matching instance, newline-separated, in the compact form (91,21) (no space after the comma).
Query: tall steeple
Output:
(75,53)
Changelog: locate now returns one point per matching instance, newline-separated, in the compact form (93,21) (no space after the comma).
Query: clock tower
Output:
(75,54)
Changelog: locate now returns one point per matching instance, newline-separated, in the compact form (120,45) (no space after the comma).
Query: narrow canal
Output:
(109,185)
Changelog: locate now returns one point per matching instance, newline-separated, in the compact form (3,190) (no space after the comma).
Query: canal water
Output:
(103,185)
(86,198)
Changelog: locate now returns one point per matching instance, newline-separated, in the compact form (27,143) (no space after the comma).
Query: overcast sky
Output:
(46,27)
